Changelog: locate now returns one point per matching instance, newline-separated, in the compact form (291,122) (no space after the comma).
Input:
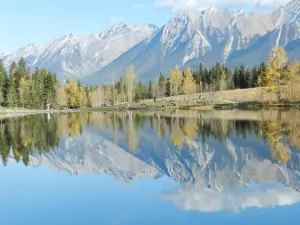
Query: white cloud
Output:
(139,6)
(190,5)
(209,200)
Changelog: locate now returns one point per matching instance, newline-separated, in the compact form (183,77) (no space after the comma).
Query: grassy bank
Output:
(252,98)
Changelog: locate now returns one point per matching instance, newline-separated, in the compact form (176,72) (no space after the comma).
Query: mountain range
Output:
(227,36)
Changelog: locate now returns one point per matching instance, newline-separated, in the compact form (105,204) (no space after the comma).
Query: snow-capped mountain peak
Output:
(292,12)
(206,36)
(78,56)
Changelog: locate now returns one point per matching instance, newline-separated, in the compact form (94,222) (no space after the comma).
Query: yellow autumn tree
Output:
(73,93)
(276,77)
(175,78)
(189,84)
(293,76)
(62,97)
(129,83)
(82,98)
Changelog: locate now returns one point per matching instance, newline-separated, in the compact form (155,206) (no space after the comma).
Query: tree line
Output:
(277,76)
(23,88)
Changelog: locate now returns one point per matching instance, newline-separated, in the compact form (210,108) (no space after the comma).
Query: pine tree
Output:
(35,92)
(223,82)
(236,77)
(11,86)
(162,85)
(218,72)
(150,90)
(229,79)
(254,77)
(242,77)
(262,75)
(3,81)
(11,91)
(248,78)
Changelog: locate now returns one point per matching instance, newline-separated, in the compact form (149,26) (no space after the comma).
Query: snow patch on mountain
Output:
(78,56)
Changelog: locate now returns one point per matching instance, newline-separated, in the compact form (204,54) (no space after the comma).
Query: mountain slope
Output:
(189,38)
(286,35)
(227,36)
(79,56)
(210,36)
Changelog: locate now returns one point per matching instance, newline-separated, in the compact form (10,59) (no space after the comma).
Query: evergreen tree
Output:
(254,77)
(229,79)
(218,72)
(150,90)
(35,92)
(248,78)
(11,86)
(22,64)
(3,81)
(242,77)
(262,75)
(162,85)
(236,77)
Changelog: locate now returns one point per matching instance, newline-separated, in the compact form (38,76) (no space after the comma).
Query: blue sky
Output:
(34,21)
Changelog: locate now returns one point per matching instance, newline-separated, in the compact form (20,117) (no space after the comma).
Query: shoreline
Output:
(6,113)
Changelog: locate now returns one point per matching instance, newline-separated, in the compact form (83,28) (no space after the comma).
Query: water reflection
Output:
(223,160)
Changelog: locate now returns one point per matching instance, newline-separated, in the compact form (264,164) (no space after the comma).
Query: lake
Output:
(132,168)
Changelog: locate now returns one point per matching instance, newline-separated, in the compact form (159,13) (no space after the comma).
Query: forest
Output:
(20,87)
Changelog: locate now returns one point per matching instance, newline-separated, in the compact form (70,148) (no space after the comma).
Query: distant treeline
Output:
(277,76)
(22,88)
(37,90)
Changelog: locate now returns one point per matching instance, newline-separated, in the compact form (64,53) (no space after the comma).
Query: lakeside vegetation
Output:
(22,88)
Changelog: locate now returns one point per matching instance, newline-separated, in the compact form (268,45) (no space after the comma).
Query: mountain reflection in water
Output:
(221,160)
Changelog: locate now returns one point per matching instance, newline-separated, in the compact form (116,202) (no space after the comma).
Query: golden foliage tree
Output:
(62,97)
(82,98)
(73,93)
(129,83)
(189,84)
(276,77)
(293,74)
(175,78)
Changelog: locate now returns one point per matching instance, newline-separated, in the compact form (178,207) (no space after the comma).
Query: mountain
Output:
(208,36)
(227,36)
(286,34)
(79,56)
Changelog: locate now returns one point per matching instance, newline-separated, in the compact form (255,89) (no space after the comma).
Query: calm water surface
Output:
(133,168)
